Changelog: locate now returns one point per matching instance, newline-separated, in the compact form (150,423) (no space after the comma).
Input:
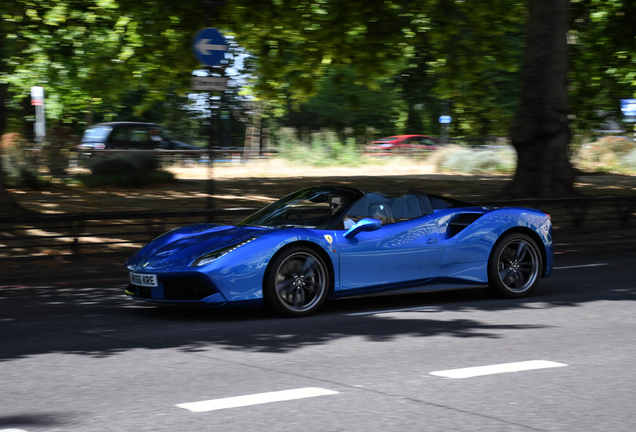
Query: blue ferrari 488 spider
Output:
(323,243)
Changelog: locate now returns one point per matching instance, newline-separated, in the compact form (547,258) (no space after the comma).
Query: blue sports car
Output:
(329,242)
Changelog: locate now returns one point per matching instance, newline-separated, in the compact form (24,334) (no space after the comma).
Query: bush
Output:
(19,163)
(29,179)
(607,154)
(474,160)
(323,149)
(56,150)
(140,163)
(126,170)
(617,145)
(629,161)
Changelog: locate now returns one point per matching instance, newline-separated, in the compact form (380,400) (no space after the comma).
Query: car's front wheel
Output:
(297,282)
(515,266)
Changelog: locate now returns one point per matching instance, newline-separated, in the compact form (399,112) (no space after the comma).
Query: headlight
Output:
(207,259)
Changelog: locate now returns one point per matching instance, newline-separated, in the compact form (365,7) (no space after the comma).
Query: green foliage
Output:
(126,170)
(342,104)
(88,54)
(415,54)
(475,160)
(385,64)
(602,33)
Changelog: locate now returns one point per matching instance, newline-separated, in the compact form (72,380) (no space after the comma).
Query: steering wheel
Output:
(296,215)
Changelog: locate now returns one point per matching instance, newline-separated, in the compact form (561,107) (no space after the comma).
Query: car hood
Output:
(181,246)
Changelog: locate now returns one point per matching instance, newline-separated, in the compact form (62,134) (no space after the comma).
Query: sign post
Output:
(37,100)
(628,107)
(208,83)
(209,48)
(445,121)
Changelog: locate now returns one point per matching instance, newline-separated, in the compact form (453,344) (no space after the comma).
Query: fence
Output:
(85,234)
(218,154)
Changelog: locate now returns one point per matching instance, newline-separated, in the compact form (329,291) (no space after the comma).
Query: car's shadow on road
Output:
(102,322)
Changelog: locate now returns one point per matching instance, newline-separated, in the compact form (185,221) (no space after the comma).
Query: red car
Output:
(404,143)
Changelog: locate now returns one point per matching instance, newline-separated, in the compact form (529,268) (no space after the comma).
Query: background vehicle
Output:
(404,143)
(130,135)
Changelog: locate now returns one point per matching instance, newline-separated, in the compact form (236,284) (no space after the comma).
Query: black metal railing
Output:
(89,233)
(582,215)
(83,234)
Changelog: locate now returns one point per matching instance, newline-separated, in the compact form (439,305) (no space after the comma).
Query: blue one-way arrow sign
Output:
(209,46)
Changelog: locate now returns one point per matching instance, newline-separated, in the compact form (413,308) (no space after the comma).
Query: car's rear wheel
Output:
(297,282)
(515,266)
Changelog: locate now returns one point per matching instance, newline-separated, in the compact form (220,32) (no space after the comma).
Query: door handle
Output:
(432,241)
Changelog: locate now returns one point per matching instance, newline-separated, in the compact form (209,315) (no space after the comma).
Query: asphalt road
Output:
(79,356)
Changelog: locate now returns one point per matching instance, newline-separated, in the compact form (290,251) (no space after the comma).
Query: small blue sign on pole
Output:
(628,107)
(445,119)
(209,46)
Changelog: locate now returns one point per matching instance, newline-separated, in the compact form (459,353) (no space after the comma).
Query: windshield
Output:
(386,209)
(98,134)
(315,207)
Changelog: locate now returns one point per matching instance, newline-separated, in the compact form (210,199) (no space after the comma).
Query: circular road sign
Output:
(209,46)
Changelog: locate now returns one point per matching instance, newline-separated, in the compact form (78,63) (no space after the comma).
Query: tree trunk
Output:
(7,205)
(540,132)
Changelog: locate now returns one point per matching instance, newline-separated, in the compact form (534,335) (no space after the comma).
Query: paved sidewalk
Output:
(60,270)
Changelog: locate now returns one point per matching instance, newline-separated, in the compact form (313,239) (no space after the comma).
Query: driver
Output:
(336,203)
(154,135)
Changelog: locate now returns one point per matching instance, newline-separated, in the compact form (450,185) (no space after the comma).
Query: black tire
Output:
(297,282)
(515,266)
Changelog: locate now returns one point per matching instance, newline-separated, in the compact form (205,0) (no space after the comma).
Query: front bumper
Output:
(178,289)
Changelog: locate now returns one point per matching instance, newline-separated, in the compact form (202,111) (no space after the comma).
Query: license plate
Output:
(146,280)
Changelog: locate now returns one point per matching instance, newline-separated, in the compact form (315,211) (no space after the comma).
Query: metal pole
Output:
(214,126)
(445,138)
(211,143)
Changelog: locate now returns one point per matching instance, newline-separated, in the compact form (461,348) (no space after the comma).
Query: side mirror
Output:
(366,224)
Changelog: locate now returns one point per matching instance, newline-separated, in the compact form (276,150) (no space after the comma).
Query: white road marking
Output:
(581,266)
(497,369)
(12,430)
(255,399)
(413,309)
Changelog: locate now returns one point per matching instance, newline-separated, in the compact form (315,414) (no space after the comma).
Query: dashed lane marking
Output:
(255,399)
(497,369)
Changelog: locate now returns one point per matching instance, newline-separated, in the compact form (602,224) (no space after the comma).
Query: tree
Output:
(603,48)
(467,46)
(6,201)
(91,52)
(540,132)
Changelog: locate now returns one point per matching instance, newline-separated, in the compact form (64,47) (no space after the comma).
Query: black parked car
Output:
(130,135)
